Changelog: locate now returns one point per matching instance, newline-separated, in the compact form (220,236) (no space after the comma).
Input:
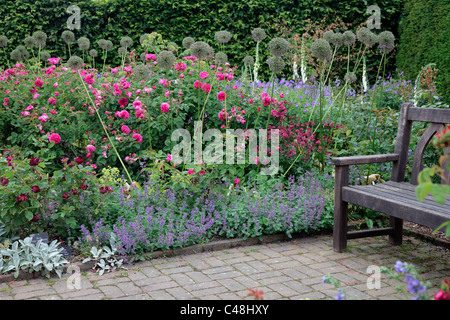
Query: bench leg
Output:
(397,224)
(340,209)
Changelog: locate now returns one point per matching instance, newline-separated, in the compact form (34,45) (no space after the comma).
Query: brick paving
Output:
(288,270)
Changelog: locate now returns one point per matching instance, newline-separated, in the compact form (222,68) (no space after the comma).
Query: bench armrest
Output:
(376,158)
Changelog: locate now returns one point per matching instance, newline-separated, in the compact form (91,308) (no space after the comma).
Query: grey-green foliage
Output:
(29,257)
(106,258)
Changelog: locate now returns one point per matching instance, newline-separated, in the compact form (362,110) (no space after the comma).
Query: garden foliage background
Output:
(175,20)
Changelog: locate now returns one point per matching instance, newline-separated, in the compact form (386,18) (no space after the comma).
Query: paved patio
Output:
(290,270)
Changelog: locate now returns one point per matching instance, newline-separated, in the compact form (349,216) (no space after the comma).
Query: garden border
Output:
(216,245)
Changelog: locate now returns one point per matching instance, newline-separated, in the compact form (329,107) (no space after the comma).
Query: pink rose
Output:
(125,129)
(54,137)
(137,137)
(221,96)
(90,148)
(165,107)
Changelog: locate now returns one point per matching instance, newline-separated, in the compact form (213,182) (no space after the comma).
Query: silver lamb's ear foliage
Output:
(374,21)
(74,21)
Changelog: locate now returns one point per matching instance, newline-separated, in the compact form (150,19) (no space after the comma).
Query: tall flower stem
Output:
(104,128)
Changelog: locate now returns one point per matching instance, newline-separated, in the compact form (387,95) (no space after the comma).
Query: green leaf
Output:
(438,193)
(422,190)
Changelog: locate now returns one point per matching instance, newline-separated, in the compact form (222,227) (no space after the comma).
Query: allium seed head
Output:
(3,41)
(165,59)
(328,35)
(75,63)
(386,41)
(172,46)
(141,72)
(187,42)
(200,49)
(366,36)
(222,36)
(84,43)
(29,42)
(16,55)
(350,77)
(220,58)
(40,38)
(45,56)
(68,36)
(144,37)
(122,51)
(278,46)
(258,34)
(321,49)
(276,64)
(337,40)
(349,38)
(93,53)
(249,61)
(126,42)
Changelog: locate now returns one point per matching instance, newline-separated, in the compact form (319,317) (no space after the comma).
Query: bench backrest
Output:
(438,119)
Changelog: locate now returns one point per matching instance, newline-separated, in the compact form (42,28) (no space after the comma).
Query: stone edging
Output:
(193,249)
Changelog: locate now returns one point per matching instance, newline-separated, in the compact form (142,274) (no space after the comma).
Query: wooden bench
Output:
(396,197)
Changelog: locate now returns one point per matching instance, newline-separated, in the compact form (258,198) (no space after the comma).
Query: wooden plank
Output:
(340,209)
(402,143)
(401,196)
(429,115)
(394,207)
(410,195)
(412,189)
(420,149)
(354,160)
(370,233)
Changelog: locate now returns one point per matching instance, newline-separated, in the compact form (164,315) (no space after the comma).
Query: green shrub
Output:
(424,29)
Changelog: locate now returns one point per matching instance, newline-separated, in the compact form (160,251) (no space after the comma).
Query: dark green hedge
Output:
(176,19)
(424,38)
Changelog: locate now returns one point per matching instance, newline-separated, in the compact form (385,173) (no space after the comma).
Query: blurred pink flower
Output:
(54,137)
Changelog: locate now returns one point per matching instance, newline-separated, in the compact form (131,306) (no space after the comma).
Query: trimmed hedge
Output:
(175,19)
(424,38)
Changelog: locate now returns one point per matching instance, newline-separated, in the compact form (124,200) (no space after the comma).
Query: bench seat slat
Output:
(408,191)
(396,205)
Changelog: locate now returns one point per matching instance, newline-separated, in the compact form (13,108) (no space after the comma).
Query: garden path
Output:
(290,270)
